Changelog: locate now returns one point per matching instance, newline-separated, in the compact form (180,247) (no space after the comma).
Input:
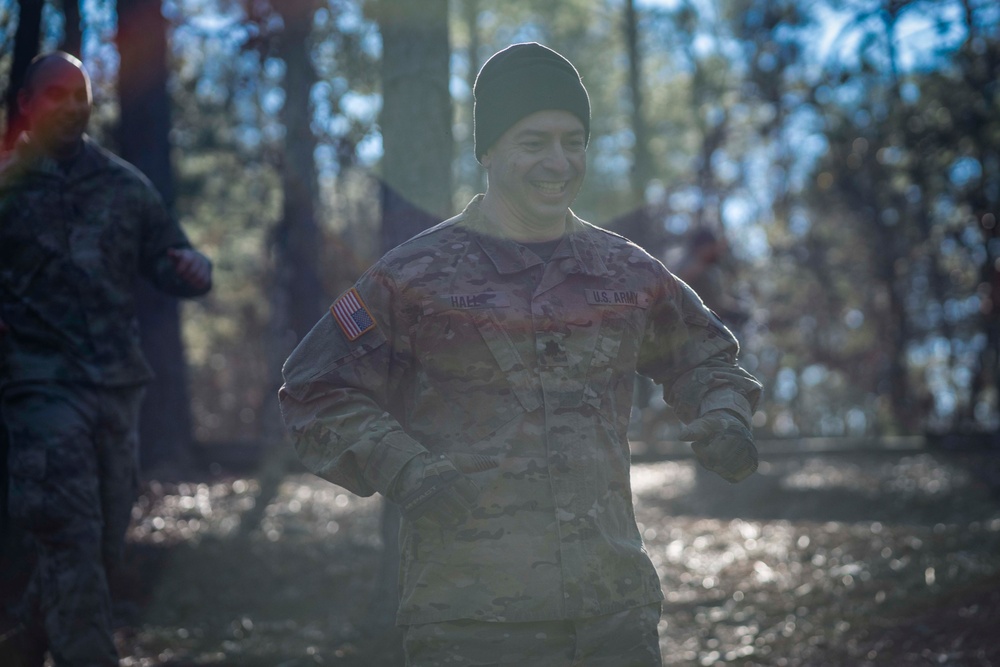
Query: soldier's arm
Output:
(167,259)
(694,356)
(338,388)
(179,270)
(192,267)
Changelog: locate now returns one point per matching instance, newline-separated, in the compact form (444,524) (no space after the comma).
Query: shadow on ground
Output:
(863,558)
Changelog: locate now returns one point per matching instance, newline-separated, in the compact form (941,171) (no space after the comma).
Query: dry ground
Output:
(861,559)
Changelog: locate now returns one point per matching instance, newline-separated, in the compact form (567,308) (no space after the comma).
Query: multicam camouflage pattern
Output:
(73,478)
(71,244)
(626,639)
(72,241)
(481,348)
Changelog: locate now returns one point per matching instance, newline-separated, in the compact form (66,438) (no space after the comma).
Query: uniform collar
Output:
(27,158)
(578,250)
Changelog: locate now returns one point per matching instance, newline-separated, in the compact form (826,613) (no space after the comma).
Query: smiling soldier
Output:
(480,375)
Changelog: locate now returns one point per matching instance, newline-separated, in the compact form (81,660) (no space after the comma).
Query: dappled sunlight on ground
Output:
(779,588)
(814,560)
(190,512)
(307,505)
(285,592)
(172,513)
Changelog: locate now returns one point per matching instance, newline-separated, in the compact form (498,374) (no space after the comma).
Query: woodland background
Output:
(846,152)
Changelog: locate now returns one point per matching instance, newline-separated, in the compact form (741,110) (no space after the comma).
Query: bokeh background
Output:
(826,173)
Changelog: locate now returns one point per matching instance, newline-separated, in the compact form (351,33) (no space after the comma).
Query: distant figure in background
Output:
(700,266)
(78,226)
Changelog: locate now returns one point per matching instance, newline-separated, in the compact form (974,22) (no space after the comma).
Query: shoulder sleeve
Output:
(159,231)
(690,352)
(339,386)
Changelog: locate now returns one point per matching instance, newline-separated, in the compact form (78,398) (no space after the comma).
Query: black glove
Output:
(722,444)
(430,485)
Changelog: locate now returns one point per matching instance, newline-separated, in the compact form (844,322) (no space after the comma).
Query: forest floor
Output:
(866,558)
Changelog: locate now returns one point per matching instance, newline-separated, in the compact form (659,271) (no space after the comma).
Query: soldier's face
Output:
(57,105)
(537,166)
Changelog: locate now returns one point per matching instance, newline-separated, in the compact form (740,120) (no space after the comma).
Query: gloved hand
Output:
(430,485)
(722,444)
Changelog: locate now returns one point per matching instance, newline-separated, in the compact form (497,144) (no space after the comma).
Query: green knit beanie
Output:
(520,80)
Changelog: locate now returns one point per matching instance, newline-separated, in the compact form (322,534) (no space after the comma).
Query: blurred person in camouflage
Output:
(77,226)
(480,375)
(701,267)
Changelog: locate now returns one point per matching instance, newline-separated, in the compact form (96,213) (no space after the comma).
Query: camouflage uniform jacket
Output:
(71,245)
(468,345)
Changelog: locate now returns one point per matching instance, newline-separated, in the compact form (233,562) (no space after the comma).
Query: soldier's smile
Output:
(536,169)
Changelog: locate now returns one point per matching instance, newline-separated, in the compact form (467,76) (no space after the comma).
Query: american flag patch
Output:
(352,314)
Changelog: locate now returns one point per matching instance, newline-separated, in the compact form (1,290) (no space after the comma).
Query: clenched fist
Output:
(722,444)
(430,485)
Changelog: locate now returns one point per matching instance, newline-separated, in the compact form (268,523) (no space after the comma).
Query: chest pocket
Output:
(470,368)
(603,362)
(587,345)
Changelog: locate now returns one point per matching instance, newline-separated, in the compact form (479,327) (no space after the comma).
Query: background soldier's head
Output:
(56,101)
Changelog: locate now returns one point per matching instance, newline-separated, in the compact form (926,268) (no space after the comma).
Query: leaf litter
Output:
(860,559)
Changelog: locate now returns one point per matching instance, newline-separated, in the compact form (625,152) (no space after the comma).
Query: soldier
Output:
(77,226)
(701,267)
(480,375)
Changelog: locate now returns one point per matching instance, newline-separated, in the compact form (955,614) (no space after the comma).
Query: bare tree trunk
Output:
(144,140)
(470,15)
(637,224)
(72,41)
(416,105)
(298,234)
(297,295)
(642,162)
(26,43)
(417,142)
